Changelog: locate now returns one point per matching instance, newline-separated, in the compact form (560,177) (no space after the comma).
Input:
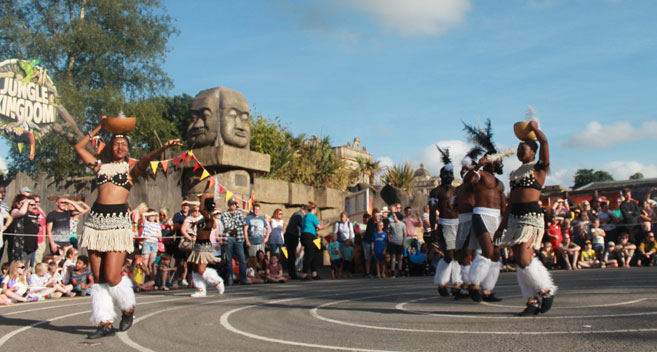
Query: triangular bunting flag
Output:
(244,205)
(238,199)
(318,243)
(164,163)
(284,250)
(211,183)
(197,166)
(183,156)
(220,189)
(100,148)
(205,174)
(191,154)
(20,147)
(229,195)
(154,166)
(176,161)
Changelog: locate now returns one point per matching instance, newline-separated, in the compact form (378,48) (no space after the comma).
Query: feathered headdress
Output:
(471,156)
(483,137)
(446,158)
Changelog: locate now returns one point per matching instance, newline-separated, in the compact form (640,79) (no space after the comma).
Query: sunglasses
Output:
(22,267)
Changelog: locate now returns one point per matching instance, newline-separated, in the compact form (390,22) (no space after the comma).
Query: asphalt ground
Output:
(595,310)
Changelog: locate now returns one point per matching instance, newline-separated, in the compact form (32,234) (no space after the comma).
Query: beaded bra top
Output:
(523,177)
(116,173)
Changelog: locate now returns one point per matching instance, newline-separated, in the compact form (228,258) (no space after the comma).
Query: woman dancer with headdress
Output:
(525,225)
(203,253)
(107,231)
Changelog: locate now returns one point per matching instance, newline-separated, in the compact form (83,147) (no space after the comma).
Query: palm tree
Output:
(400,176)
(368,169)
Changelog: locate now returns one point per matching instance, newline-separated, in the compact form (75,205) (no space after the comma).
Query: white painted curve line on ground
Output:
(578,307)
(8,336)
(226,324)
(125,338)
(401,307)
(314,313)
(62,306)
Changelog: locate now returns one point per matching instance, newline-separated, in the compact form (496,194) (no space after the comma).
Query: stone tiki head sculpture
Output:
(220,116)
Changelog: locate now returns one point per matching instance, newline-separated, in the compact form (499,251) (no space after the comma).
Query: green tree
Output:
(637,176)
(400,176)
(585,176)
(103,56)
(368,169)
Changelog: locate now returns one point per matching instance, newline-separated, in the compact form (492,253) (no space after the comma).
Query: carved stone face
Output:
(219,116)
(235,129)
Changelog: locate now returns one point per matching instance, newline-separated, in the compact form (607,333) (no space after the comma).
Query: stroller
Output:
(416,260)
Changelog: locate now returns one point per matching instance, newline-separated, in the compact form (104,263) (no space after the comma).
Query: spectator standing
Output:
(276,240)
(646,251)
(41,235)
(258,230)
(58,225)
(25,227)
(597,238)
(235,228)
(379,245)
(5,219)
(411,225)
(152,234)
(75,219)
(426,224)
(344,229)
(608,221)
(336,257)
(368,238)
(179,254)
(396,239)
(554,231)
(348,258)
(631,212)
(291,236)
(309,227)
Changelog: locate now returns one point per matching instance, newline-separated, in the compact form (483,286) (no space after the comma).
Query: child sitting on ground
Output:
(336,257)
(43,284)
(164,277)
(610,257)
(55,273)
(138,273)
(347,258)
(14,284)
(548,256)
(252,268)
(81,277)
(5,269)
(275,270)
(588,257)
(69,264)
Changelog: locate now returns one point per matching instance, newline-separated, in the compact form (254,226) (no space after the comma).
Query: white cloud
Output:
(622,170)
(561,177)
(431,158)
(597,136)
(414,17)
(385,161)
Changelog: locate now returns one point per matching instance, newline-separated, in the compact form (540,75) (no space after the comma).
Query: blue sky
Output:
(402,75)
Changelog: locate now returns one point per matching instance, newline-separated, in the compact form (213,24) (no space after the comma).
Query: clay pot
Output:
(522,131)
(119,125)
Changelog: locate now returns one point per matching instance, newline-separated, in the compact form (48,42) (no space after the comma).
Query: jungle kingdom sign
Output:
(27,102)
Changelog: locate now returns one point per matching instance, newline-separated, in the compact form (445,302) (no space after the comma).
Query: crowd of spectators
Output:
(258,248)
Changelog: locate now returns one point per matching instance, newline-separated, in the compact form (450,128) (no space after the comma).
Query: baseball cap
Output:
(385,210)
(610,243)
(232,201)
(26,190)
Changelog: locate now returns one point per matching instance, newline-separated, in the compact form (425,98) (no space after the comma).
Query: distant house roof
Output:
(604,185)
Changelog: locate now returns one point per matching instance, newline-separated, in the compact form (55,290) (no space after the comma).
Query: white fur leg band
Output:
(539,278)
(479,269)
(493,273)
(465,273)
(198,281)
(527,292)
(102,307)
(123,294)
(456,273)
(212,277)
(443,272)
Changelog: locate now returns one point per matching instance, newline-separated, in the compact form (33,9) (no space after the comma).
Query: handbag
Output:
(185,245)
